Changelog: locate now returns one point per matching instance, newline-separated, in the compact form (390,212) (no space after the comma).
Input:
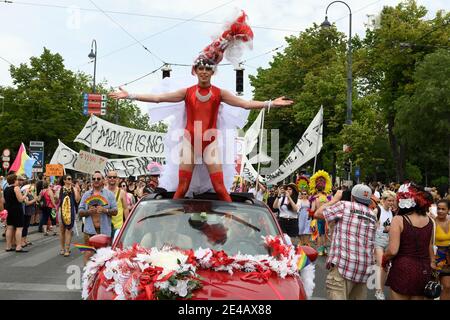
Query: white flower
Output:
(181,288)
(406,203)
(162,285)
(168,260)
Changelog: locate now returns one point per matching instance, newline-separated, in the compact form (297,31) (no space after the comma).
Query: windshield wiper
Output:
(170,213)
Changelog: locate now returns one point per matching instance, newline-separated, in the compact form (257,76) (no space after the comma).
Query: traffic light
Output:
(239,80)
(347,167)
(166,71)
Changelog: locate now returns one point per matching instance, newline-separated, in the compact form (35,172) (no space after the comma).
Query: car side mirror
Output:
(100,241)
(311,253)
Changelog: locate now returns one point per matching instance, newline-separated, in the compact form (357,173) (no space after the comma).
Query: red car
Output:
(206,223)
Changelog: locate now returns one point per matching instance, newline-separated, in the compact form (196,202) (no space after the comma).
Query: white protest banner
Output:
(124,167)
(89,162)
(111,138)
(251,136)
(262,157)
(307,148)
(249,173)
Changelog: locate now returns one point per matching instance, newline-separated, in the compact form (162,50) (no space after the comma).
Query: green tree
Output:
(311,71)
(423,117)
(388,62)
(46,101)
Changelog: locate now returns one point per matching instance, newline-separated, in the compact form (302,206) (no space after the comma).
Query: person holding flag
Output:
(15,221)
(23,164)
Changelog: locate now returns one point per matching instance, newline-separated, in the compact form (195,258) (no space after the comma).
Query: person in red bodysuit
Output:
(202,109)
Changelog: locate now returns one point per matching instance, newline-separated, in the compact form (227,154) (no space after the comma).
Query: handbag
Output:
(432,288)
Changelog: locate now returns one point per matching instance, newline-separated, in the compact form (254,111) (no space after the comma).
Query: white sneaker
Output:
(379,295)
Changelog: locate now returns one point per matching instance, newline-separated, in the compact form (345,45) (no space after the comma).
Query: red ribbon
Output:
(262,277)
(257,277)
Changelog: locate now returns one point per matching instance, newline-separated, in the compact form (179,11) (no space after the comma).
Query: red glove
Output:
(311,213)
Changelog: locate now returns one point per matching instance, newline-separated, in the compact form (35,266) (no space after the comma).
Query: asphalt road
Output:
(42,274)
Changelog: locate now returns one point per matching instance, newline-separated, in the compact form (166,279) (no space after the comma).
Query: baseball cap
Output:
(362,194)
(154,169)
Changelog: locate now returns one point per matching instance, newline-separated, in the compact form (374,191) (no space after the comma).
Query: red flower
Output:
(220,258)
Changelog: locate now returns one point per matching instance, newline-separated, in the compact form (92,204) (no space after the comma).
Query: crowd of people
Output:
(53,205)
(403,230)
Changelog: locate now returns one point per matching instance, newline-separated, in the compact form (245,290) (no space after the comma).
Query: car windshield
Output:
(193,224)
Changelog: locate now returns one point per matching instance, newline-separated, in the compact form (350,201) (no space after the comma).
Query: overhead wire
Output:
(140,78)
(126,31)
(193,19)
(162,31)
(7,61)
(140,15)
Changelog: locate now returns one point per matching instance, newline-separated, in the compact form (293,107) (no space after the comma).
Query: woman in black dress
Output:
(15,220)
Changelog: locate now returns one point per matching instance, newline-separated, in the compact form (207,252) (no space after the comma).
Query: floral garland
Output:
(149,274)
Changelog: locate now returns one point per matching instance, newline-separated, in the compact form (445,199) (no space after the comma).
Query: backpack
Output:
(43,201)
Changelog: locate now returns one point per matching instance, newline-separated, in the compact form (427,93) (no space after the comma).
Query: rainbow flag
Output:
(96,200)
(84,248)
(303,260)
(23,164)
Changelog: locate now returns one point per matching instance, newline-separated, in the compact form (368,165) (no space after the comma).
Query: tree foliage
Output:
(400,94)
(46,102)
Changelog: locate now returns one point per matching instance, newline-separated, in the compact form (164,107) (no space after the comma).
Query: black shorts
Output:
(15,219)
(289,226)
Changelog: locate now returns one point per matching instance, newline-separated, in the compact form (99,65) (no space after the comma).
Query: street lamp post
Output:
(327,24)
(93,55)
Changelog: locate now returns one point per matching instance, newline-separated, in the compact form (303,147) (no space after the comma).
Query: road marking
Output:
(36,259)
(78,262)
(9,286)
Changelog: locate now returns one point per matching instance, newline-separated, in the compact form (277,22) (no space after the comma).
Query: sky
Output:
(174,31)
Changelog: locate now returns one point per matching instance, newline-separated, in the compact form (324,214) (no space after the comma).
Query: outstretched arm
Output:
(176,96)
(234,101)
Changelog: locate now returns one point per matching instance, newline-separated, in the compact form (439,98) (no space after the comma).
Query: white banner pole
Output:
(260,149)
(317,146)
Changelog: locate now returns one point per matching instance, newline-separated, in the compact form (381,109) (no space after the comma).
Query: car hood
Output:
(225,286)
(246,286)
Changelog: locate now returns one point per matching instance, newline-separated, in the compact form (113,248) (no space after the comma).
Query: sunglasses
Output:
(68,178)
(123,186)
(112,177)
(97,179)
